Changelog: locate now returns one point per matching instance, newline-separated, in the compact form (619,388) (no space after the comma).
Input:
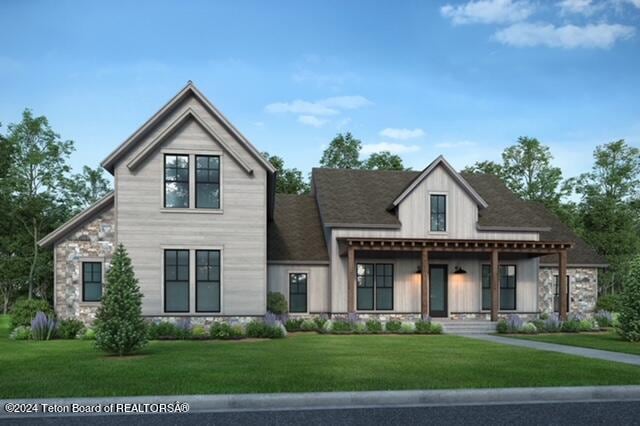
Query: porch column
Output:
(351,280)
(425,283)
(495,285)
(562,280)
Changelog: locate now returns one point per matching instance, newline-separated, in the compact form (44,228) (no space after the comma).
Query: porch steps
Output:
(450,326)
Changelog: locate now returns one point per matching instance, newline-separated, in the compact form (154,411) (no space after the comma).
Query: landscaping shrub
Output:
(88,334)
(539,323)
(423,327)
(341,326)
(571,326)
(199,332)
(374,326)
(544,316)
(529,328)
(21,332)
(256,329)
(70,328)
(393,326)
(514,323)
(502,326)
(183,327)
(629,318)
(436,328)
(25,310)
(552,324)
(237,331)
(119,326)
(587,325)
(407,328)
(43,327)
(327,327)
(294,324)
(320,320)
(609,302)
(308,325)
(277,303)
(360,327)
(265,330)
(604,318)
(165,330)
(220,330)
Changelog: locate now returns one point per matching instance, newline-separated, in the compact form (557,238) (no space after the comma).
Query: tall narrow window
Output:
(365,279)
(384,286)
(556,294)
(438,213)
(297,292)
(507,277)
(207,182)
(207,281)
(91,281)
(176,280)
(176,181)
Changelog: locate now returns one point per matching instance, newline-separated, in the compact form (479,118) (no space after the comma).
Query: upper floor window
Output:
(438,213)
(176,181)
(207,182)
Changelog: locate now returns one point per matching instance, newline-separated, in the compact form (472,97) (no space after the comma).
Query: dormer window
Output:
(438,203)
(176,181)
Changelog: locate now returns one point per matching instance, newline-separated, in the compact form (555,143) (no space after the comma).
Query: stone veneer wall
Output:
(583,289)
(93,240)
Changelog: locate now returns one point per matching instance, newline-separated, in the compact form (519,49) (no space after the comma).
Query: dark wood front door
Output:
(438,286)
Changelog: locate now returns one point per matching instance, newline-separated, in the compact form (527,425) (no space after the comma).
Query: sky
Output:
(418,78)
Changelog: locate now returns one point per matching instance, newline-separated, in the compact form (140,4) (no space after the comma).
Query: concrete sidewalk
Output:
(338,400)
(565,349)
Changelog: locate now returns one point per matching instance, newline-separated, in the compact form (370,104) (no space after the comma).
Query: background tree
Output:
(486,167)
(119,327)
(383,160)
(629,319)
(288,181)
(88,187)
(342,153)
(36,180)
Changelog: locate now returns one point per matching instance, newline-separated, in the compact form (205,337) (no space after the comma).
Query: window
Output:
(556,294)
(384,287)
(91,281)
(374,286)
(207,280)
(207,182)
(438,213)
(297,292)
(507,276)
(176,280)
(176,181)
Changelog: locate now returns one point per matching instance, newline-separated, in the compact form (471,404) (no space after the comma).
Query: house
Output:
(195,205)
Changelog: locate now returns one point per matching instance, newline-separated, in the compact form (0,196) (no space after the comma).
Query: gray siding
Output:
(238,230)
(318,290)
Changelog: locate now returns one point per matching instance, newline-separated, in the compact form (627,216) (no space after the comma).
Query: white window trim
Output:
(86,260)
(298,271)
(447,215)
(192,181)
(192,280)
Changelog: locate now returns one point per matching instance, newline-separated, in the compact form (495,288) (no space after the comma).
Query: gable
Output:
(169,117)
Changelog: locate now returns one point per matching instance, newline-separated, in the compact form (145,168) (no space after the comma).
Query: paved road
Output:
(622,413)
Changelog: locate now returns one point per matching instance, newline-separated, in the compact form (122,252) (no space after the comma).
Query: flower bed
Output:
(513,324)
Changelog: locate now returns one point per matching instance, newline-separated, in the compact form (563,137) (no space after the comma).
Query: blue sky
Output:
(462,79)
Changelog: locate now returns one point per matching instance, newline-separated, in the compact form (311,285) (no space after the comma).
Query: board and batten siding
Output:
(414,216)
(238,230)
(318,291)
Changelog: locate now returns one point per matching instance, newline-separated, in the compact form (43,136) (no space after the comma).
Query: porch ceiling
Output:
(451,245)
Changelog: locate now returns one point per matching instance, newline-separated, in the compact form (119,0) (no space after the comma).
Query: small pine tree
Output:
(629,319)
(119,326)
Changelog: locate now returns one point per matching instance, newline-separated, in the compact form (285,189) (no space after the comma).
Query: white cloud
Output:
(323,107)
(636,3)
(488,11)
(258,123)
(568,36)
(461,144)
(584,7)
(401,134)
(394,148)
(311,120)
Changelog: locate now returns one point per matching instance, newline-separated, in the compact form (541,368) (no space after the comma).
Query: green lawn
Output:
(606,341)
(307,362)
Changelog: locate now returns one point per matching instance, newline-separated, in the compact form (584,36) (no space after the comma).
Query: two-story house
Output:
(195,206)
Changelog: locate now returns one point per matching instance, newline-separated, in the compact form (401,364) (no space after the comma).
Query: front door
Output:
(438,291)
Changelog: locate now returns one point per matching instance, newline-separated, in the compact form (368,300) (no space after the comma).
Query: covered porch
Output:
(431,254)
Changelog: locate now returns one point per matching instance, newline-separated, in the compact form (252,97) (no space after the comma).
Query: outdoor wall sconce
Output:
(459,270)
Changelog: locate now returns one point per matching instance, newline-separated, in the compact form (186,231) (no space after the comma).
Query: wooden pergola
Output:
(426,246)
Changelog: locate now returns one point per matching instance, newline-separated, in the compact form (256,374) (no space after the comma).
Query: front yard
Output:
(609,341)
(299,363)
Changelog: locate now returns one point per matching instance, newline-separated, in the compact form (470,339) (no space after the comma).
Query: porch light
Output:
(419,269)
(459,270)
